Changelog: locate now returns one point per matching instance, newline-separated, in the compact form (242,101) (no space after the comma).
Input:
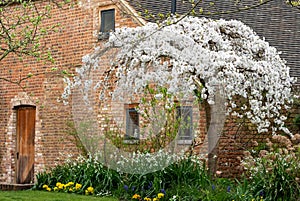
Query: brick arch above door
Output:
(9,159)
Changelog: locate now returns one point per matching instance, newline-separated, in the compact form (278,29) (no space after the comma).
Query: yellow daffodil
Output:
(69,184)
(147,199)
(48,189)
(89,190)
(160,195)
(60,186)
(136,196)
(45,186)
(155,199)
(78,186)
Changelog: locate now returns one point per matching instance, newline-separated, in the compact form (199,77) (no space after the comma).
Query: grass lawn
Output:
(31,195)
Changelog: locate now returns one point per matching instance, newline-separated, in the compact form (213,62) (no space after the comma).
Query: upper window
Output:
(107,21)
(185,115)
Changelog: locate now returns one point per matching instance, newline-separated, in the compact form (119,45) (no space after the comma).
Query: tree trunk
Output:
(215,119)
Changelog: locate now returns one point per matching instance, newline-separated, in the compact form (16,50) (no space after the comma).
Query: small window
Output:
(107,21)
(132,124)
(185,117)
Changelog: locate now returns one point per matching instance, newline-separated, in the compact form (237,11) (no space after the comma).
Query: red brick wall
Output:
(76,37)
(240,135)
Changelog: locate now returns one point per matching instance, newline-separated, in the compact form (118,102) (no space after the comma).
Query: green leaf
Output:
(29,75)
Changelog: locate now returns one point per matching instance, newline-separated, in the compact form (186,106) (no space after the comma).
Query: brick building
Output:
(36,113)
(34,131)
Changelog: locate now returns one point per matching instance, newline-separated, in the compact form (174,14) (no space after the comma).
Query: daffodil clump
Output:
(159,196)
(46,187)
(69,187)
(89,191)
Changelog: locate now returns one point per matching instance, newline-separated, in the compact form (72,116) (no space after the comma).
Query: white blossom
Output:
(201,54)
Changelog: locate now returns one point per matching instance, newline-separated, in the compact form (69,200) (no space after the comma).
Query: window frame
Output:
(104,34)
(132,126)
(185,139)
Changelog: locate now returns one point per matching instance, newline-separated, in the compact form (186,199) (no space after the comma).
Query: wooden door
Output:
(25,144)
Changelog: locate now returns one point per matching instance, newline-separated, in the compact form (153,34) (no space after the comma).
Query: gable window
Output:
(107,22)
(132,123)
(185,117)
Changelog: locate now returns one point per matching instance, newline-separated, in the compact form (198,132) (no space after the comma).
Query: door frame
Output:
(25,145)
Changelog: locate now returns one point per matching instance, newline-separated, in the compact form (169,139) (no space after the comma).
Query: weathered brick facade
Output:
(77,36)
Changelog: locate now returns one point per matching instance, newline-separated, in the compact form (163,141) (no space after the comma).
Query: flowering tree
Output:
(222,63)
(22,30)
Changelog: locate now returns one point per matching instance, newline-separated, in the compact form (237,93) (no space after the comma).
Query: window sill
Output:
(185,142)
(103,36)
(131,141)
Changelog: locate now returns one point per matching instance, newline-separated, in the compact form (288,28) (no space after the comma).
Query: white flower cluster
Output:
(143,163)
(203,54)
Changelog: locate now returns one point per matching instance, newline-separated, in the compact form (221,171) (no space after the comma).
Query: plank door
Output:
(25,144)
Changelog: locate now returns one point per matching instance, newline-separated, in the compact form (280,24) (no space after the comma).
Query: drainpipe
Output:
(173,6)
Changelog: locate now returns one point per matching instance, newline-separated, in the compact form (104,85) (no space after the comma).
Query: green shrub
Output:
(275,173)
(86,171)
(296,121)
(186,179)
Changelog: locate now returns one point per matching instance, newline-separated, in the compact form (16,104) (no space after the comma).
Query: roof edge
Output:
(133,13)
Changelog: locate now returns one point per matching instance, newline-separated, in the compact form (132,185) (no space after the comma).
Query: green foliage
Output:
(87,172)
(23,30)
(187,173)
(158,109)
(78,142)
(84,142)
(159,121)
(274,173)
(185,180)
(294,3)
(20,28)
(296,121)
(278,182)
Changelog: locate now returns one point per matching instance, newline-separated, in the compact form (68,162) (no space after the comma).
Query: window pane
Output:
(185,115)
(107,20)
(132,123)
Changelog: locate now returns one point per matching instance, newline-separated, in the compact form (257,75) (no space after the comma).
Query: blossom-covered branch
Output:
(199,55)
